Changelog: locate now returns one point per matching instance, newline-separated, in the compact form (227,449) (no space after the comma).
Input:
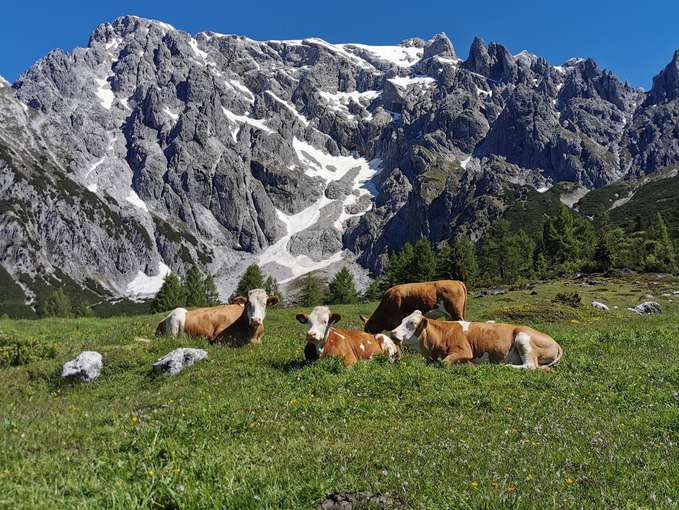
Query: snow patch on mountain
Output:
(406,81)
(104,93)
(3,82)
(145,286)
(398,55)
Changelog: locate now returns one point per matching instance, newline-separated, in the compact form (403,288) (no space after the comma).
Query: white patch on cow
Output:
(388,346)
(342,337)
(523,345)
(362,347)
(465,325)
(405,332)
(175,322)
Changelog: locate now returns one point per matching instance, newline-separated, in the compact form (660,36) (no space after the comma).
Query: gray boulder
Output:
(176,361)
(86,367)
(647,307)
(439,45)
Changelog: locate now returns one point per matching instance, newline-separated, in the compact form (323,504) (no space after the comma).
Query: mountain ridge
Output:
(301,155)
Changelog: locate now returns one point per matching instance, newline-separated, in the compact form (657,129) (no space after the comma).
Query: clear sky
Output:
(633,38)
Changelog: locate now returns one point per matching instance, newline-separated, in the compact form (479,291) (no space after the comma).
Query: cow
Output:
(447,296)
(207,322)
(248,326)
(350,346)
(463,342)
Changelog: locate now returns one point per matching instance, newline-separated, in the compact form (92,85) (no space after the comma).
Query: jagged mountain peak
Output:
(301,155)
(666,83)
(4,82)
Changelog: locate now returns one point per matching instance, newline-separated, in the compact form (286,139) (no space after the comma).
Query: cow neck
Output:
(243,321)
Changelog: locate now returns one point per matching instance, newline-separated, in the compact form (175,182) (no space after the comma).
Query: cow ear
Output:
(239,300)
(363,318)
(302,318)
(335,317)
(272,301)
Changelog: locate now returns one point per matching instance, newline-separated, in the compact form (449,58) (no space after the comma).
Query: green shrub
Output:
(572,299)
(16,351)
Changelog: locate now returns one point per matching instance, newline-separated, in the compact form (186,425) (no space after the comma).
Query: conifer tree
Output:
(341,289)
(271,287)
(664,253)
(57,304)
(171,295)
(603,258)
(312,291)
(194,288)
(251,279)
(422,264)
(460,261)
(396,268)
(211,294)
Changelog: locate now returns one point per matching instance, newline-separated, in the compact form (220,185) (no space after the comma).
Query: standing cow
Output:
(449,296)
(326,341)
(463,342)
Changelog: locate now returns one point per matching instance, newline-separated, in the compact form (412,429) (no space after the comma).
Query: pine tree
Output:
(422,264)
(211,294)
(194,288)
(460,261)
(665,255)
(396,268)
(341,289)
(312,291)
(271,287)
(603,258)
(374,291)
(559,237)
(57,304)
(171,295)
(251,279)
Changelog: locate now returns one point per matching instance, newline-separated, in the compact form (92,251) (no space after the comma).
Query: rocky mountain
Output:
(151,149)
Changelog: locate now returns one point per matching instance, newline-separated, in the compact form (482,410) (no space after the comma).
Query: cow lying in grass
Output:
(205,322)
(241,322)
(446,296)
(460,342)
(346,344)
(248,327)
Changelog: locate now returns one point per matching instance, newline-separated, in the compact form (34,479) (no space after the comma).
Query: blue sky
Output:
(632,38)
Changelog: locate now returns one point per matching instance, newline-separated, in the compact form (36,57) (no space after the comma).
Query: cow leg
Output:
(522,344)
(460,355)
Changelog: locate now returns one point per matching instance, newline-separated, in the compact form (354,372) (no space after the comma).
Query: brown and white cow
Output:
(207,322)
(248,327)
(448,296)
(346,344)
(460,342)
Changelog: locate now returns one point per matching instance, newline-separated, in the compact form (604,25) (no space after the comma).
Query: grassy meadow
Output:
(258,428)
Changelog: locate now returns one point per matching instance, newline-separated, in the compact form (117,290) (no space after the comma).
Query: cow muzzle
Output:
(255,322)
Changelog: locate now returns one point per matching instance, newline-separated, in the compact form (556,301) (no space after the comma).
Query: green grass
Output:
(257,428)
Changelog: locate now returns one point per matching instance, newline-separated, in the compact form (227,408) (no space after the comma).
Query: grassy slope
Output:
(256,428)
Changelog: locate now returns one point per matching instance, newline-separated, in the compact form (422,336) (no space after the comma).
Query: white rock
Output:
(646,308)
(600,306)
(86,367)
(177,360)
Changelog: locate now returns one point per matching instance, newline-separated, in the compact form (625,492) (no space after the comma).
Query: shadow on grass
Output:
(290,365)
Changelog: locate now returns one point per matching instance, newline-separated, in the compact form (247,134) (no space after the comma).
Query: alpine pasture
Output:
(257,427)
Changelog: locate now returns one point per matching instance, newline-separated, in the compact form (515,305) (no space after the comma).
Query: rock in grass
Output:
(599,306)
(86,367)
(177,360)
(351,500)
(647,308)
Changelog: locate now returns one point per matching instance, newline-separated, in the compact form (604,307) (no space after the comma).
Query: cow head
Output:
(255,305)
(319,320)
(410,329)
